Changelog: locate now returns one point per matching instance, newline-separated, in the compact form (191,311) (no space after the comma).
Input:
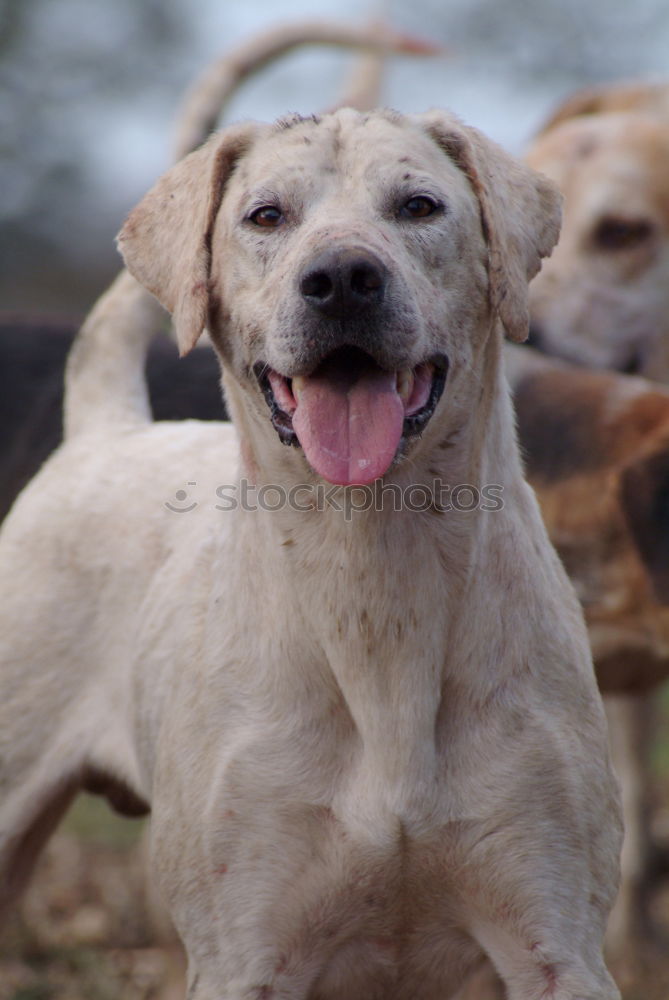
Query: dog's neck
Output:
(382,611)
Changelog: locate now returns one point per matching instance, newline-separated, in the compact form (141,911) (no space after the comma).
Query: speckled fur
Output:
(373,748)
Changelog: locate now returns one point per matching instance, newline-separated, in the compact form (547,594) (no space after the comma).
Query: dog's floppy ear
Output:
(520,214)
(166,240)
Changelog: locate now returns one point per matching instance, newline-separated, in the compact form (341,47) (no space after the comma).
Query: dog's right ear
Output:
(520,214)
(166,240)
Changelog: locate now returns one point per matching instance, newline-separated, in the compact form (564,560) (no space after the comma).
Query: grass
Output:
(94,822)
(660,748)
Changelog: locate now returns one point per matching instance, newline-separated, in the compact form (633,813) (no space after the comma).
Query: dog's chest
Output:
(324,811)
(389,918)
(337,914)
(342,840)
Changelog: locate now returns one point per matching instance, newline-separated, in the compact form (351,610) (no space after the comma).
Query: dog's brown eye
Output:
(419,207)
(268,216)
(622,234)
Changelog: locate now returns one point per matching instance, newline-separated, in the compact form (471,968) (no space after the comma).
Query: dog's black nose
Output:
(342,281)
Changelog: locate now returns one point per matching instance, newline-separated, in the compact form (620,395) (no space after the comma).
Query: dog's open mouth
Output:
(351,416)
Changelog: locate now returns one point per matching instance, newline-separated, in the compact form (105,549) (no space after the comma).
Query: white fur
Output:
(373,748)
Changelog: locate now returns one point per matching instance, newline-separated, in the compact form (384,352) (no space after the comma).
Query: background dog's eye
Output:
(418,207)
(268,216)
(613,233)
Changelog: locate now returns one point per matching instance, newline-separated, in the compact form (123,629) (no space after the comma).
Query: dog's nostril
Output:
(316,285)
(366,279)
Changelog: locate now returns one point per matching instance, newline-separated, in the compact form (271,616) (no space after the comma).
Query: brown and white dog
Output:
(603,299)
(596,450)
(603,302)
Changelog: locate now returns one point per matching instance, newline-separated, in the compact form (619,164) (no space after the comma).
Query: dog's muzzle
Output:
(345,403)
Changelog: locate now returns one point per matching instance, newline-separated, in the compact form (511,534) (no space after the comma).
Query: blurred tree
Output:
(65,68)
(88,90)
(571,42)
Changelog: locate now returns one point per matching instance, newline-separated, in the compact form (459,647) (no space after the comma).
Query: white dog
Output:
(370,739)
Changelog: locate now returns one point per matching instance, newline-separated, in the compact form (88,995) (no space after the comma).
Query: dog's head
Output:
(347,268)
(603,299)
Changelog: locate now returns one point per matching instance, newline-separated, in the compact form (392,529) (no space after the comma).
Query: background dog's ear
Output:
(520,214)
(166,240)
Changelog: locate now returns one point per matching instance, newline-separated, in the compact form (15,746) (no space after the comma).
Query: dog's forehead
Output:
(625,175)
(350,145)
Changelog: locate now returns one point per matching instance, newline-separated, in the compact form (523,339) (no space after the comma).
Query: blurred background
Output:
(89,89)
(88,92)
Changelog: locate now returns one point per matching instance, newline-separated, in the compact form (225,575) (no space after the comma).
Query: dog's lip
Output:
(282,402)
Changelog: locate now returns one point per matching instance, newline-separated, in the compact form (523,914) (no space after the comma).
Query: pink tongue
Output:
(349,425)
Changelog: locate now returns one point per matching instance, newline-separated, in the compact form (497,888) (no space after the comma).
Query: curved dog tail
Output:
(201,108)
(104,379)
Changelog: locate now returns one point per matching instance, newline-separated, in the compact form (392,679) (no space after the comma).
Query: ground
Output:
(89,928)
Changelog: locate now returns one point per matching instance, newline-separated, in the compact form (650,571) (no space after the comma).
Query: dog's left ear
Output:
(166,240)
(520,214)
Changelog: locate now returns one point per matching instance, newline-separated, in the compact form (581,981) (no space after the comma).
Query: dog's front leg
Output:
(540,972)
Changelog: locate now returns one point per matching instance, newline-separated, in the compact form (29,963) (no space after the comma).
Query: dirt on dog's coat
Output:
(371,741)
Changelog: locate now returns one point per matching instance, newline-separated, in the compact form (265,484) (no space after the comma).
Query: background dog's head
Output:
(347,268)
(603,299)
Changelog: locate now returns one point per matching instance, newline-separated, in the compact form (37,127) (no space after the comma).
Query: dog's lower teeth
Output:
(404,385)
